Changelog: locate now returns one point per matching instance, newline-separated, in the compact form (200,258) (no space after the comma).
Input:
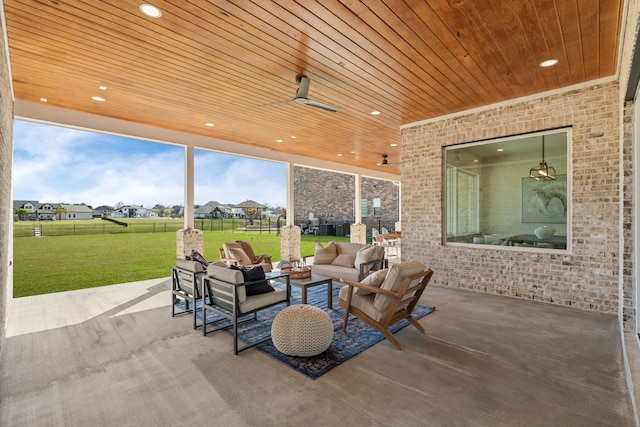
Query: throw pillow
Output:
(254,274)
(366,254)
(324,255)
(197,256)
(374,279)
(240,255)
(344,260)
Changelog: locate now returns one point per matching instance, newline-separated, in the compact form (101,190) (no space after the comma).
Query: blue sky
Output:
(62,165)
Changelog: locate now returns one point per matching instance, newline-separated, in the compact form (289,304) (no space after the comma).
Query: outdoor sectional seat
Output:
(344,260)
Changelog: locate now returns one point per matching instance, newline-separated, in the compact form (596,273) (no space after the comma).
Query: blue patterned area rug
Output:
(359,335)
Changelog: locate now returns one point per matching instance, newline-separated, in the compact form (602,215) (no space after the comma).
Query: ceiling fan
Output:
(385,162)
(302,96)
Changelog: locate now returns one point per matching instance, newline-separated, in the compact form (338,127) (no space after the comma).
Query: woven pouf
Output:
(302,330)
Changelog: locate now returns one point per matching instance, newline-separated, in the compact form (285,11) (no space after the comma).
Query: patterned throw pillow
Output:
(197,256)
(344,260)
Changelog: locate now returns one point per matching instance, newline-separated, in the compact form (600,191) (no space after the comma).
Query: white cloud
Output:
(56,164)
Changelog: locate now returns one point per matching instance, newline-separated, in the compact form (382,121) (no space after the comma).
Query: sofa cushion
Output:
(225,274)
(374,279)
(335,271)
(348,247)
(365,254)
(344,260)
(324,255)
(394,280)
(363,303)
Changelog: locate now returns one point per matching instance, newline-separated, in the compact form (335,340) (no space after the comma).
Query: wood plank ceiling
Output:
(220,61)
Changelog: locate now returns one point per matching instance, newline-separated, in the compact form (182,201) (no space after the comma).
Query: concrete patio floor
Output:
(114,356)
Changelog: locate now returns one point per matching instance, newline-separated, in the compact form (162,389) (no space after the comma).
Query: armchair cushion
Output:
(240,255)
(394,279)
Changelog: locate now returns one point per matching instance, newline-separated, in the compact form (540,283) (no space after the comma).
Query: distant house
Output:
(76,212)
(133,211)
(47,211)
(213,210)
(29,208)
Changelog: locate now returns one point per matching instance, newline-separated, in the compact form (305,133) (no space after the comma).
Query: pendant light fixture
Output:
(543,172)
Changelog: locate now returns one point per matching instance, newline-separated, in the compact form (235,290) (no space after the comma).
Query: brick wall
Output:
(329,195)
(6,150)
(591,281)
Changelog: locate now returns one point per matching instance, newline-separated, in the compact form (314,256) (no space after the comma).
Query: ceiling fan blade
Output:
(278,103)
(319,105)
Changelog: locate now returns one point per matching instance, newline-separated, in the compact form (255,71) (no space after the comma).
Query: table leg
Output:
(304,294)
(330,294)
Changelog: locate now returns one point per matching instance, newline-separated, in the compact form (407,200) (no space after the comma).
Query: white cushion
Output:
(366,254)
(394,279)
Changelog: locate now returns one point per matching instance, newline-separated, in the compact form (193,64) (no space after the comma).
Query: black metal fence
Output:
(75,228)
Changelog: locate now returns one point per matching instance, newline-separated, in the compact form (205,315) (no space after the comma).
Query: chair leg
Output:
(415,323)
(344,322)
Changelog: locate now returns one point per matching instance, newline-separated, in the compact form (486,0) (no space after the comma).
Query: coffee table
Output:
(314,280)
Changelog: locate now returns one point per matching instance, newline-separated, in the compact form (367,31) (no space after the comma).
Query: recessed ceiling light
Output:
(549,63)
(43,100)
(101,87)
(278,140)
(98,98)
(208,124)
(394,144)
(500,149)
(375,113)
(150,10)
(340,155)
(293,137)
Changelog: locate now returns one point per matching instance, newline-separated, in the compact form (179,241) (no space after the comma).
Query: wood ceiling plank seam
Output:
(569,26)
(429,71)
(421,12)
(550,26)
(589,28)
(529,23)
(339,68)
(326,41)
(376,101)
(482,47)
(513,54)
(608,40)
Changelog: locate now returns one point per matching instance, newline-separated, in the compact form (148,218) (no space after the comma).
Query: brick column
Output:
(186,240)
(290,243)
(358,233)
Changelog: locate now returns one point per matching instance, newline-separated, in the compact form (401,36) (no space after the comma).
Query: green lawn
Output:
(61,263)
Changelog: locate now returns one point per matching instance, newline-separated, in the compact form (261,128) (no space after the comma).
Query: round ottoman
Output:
(302,330)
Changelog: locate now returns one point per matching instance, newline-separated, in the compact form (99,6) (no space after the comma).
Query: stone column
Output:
(290,243)
(358,233)
(186,240)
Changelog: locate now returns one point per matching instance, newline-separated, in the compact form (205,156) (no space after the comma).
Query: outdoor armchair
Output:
(225,294)
(386,297)
(187,282)
(241,253)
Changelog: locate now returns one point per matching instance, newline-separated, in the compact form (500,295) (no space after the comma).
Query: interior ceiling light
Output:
(101,87)
(43,99)
(208,124)
(150,10)
(340,155)
(543,172)
(278,140)
(500,149)
(98,98)
(549,63)
(375,113)
(394,144)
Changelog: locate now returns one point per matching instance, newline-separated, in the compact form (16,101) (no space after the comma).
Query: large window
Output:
(510,192)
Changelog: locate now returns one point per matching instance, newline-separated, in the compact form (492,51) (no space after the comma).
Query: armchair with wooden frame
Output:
(240,252)
(386,297)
